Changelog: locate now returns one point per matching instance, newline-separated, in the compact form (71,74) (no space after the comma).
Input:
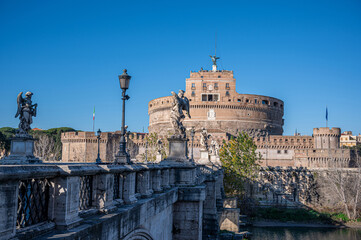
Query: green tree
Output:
(5,134)
(240,163)
(49,142)
(153,146)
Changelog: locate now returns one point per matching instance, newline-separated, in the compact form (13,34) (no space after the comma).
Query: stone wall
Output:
(297,187)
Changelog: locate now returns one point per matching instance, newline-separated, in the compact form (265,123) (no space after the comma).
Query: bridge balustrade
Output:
(42,197)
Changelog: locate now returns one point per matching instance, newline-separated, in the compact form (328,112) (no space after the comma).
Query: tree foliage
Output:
(5,134)
(240,163)
(153,147)
(48,145)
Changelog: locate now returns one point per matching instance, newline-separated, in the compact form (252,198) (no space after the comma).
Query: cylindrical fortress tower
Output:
(326,138)
(215,104)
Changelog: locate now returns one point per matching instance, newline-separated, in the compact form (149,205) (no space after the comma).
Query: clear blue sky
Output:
(69,53)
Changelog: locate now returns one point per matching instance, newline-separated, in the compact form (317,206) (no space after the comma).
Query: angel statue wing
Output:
(20,101)
(186,106)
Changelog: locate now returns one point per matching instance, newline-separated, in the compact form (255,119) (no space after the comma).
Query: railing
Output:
(33,200)
(58,194)
(116,188)
(86,192)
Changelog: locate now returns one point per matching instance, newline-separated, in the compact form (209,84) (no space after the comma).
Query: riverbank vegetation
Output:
(301,215)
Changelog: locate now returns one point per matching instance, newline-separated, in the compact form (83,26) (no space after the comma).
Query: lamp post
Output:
(123,156)
(98,160)
(146,152)
(192,135)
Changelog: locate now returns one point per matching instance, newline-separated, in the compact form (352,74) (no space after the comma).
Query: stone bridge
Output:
(108,201)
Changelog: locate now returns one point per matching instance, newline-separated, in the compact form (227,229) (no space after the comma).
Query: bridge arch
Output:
(138,234)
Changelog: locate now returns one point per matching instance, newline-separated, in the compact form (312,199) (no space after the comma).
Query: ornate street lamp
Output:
(123,156)
(98,160)
(192,136)
(146,152)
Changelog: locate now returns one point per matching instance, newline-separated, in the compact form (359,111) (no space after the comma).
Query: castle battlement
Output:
(284,142)
(325,131)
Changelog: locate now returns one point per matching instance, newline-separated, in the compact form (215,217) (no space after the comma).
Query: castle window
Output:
(210,97)
(247,100)
(227,93)
(201,76)
(227,85)
(219,76)
(265,102)
(281,106)
(193,94)
(193,86)
(286,151)
(239,100)
(216,86)
(275,104)
(204,86)
(279,151)
(255,101)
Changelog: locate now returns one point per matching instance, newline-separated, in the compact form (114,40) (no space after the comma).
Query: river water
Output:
(284,233)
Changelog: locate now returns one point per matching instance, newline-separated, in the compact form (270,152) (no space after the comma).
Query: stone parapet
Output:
(63,197)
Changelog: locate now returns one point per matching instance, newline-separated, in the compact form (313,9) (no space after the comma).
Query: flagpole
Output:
(326,117)
(93,118)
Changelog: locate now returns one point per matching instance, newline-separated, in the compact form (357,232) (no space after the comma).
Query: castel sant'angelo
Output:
(216,107)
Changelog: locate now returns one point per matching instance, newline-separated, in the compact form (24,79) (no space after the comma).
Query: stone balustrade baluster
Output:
(172,177)
(129,191)
(144,188)
(165,178)
(64,207)
(156,175)
(104,190)
(8,208)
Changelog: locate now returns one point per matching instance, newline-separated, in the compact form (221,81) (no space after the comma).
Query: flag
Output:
(326,114)
(94,114)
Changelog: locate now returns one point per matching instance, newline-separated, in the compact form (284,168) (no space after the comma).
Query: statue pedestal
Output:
(178,151)
(215,160)
(204,159)
(184,169)
(21,152)
(122,158)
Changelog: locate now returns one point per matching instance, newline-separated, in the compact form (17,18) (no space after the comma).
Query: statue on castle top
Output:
(26,111)
(180,103)
(214,59)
